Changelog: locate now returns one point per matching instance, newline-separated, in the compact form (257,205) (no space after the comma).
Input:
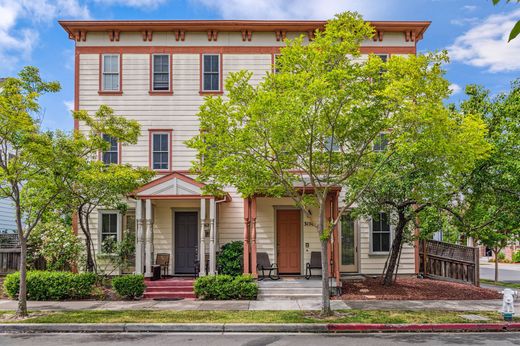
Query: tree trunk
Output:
(496,264)
(90,265)
(22,293)
(325,294)
(395,250)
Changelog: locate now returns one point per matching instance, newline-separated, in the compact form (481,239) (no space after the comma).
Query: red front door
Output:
(288,223)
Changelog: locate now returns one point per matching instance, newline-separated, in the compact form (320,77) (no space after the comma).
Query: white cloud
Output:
(464,21)
(469,8)
(293,9)
(485,44)
(69,105)
(132,3)
(455,88)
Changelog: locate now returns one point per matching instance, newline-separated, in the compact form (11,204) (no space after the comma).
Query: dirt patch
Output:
(414,289)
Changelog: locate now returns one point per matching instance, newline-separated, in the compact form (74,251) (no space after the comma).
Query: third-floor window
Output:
(161,72)
(211,72)
(111,71)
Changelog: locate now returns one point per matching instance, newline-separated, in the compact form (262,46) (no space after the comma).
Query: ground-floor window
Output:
(109,230)
(381,233)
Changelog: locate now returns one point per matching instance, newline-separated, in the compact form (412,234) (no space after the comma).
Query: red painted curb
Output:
(437,327)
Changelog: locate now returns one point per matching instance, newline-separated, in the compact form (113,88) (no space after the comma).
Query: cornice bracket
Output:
(147,35)
(212,35)
(281,35)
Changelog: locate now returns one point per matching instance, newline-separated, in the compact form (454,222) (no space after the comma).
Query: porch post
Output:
(149,240)
(246,235)
(202,247)
(253,237)
(212,253)
(140,237)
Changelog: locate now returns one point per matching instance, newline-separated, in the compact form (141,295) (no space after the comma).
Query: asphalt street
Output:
(506,272)
(148,339)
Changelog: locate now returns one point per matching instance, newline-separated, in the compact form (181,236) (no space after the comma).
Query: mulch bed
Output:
(414,289)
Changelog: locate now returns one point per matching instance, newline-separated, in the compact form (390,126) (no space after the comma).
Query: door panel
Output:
(288,230)
(348,251)
(186,227)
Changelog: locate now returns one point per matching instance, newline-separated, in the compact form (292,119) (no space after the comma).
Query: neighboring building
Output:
(158,72)
(7,221)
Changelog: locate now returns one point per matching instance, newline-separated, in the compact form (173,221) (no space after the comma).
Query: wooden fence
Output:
(9,253)
(450,262)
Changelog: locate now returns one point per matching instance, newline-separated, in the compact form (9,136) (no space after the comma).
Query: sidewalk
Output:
(454,305)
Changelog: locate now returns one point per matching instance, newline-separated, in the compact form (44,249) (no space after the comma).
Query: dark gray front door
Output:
(185,242)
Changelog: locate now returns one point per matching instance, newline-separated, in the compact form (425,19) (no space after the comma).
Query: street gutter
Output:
(254,328)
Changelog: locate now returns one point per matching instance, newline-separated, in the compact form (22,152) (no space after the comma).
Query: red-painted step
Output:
(169,289)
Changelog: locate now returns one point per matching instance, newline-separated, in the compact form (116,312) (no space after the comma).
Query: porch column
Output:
(246,235)
(212,252)
(149,239)
(140,237)
(253,237)
(202,247)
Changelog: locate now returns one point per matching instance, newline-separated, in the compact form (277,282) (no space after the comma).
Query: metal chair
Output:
(263,264)
(163,260)
(315,263)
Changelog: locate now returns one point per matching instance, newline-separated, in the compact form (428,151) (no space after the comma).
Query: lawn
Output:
(155,316)
(500,283)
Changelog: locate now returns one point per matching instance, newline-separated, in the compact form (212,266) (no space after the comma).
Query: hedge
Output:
(229,260)
(226,287)
(48,285)
(129,286)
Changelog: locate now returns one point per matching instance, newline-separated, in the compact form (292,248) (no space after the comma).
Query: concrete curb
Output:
(252,328)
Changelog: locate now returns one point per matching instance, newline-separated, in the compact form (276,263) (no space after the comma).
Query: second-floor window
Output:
(211,72)
(381,142)
(111,71)
(161,72)
(161,151)
(111,155)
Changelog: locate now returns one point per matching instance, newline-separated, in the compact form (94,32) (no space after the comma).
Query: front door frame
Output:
(302,241)
(352,268)
(172,255)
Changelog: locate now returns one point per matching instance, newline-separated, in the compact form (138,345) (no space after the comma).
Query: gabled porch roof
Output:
(174,185)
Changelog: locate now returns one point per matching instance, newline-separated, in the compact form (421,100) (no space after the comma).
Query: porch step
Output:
(274,296)
(169,289)
(289,289)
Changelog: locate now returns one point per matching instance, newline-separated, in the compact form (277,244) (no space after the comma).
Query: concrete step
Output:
(169,289)
(168,295)
(290,291)
(169,283)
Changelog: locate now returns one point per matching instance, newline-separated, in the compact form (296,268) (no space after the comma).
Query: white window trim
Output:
(169,149)
(218,71)
(169,72)
(103,72)
(370,233)
(100,225)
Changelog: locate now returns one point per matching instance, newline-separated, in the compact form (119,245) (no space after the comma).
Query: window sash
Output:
(112,154)
(161,151)
(110,75)
(109,229)
(381,142)
(211,72)
(161,72)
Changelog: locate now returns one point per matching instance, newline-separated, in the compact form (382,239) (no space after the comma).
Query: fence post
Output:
(477,266)
(425,256)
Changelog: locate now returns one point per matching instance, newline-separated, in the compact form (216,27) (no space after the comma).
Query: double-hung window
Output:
(161,72)
(111,73)
(161,151)
(381,142)
(111,155)
(211,72)
(109,231)
(383,57)
(381,234)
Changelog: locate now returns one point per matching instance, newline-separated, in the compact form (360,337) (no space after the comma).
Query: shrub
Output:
(516,257)
(226,287)
(46,285)
(501,256)
(229,259)
(129,286)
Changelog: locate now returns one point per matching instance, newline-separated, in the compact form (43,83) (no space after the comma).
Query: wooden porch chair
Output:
(163,260)
(263,264)
(315,263)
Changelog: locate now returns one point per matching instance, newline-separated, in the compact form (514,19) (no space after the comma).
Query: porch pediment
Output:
(173,184)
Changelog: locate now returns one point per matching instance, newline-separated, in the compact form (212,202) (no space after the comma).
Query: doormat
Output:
(167,299)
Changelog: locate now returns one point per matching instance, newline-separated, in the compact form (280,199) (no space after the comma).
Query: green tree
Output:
(308,128)
(516,29)
(490,194)
(30,162)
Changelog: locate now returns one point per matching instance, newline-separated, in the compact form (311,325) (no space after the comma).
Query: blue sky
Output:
(474,33)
